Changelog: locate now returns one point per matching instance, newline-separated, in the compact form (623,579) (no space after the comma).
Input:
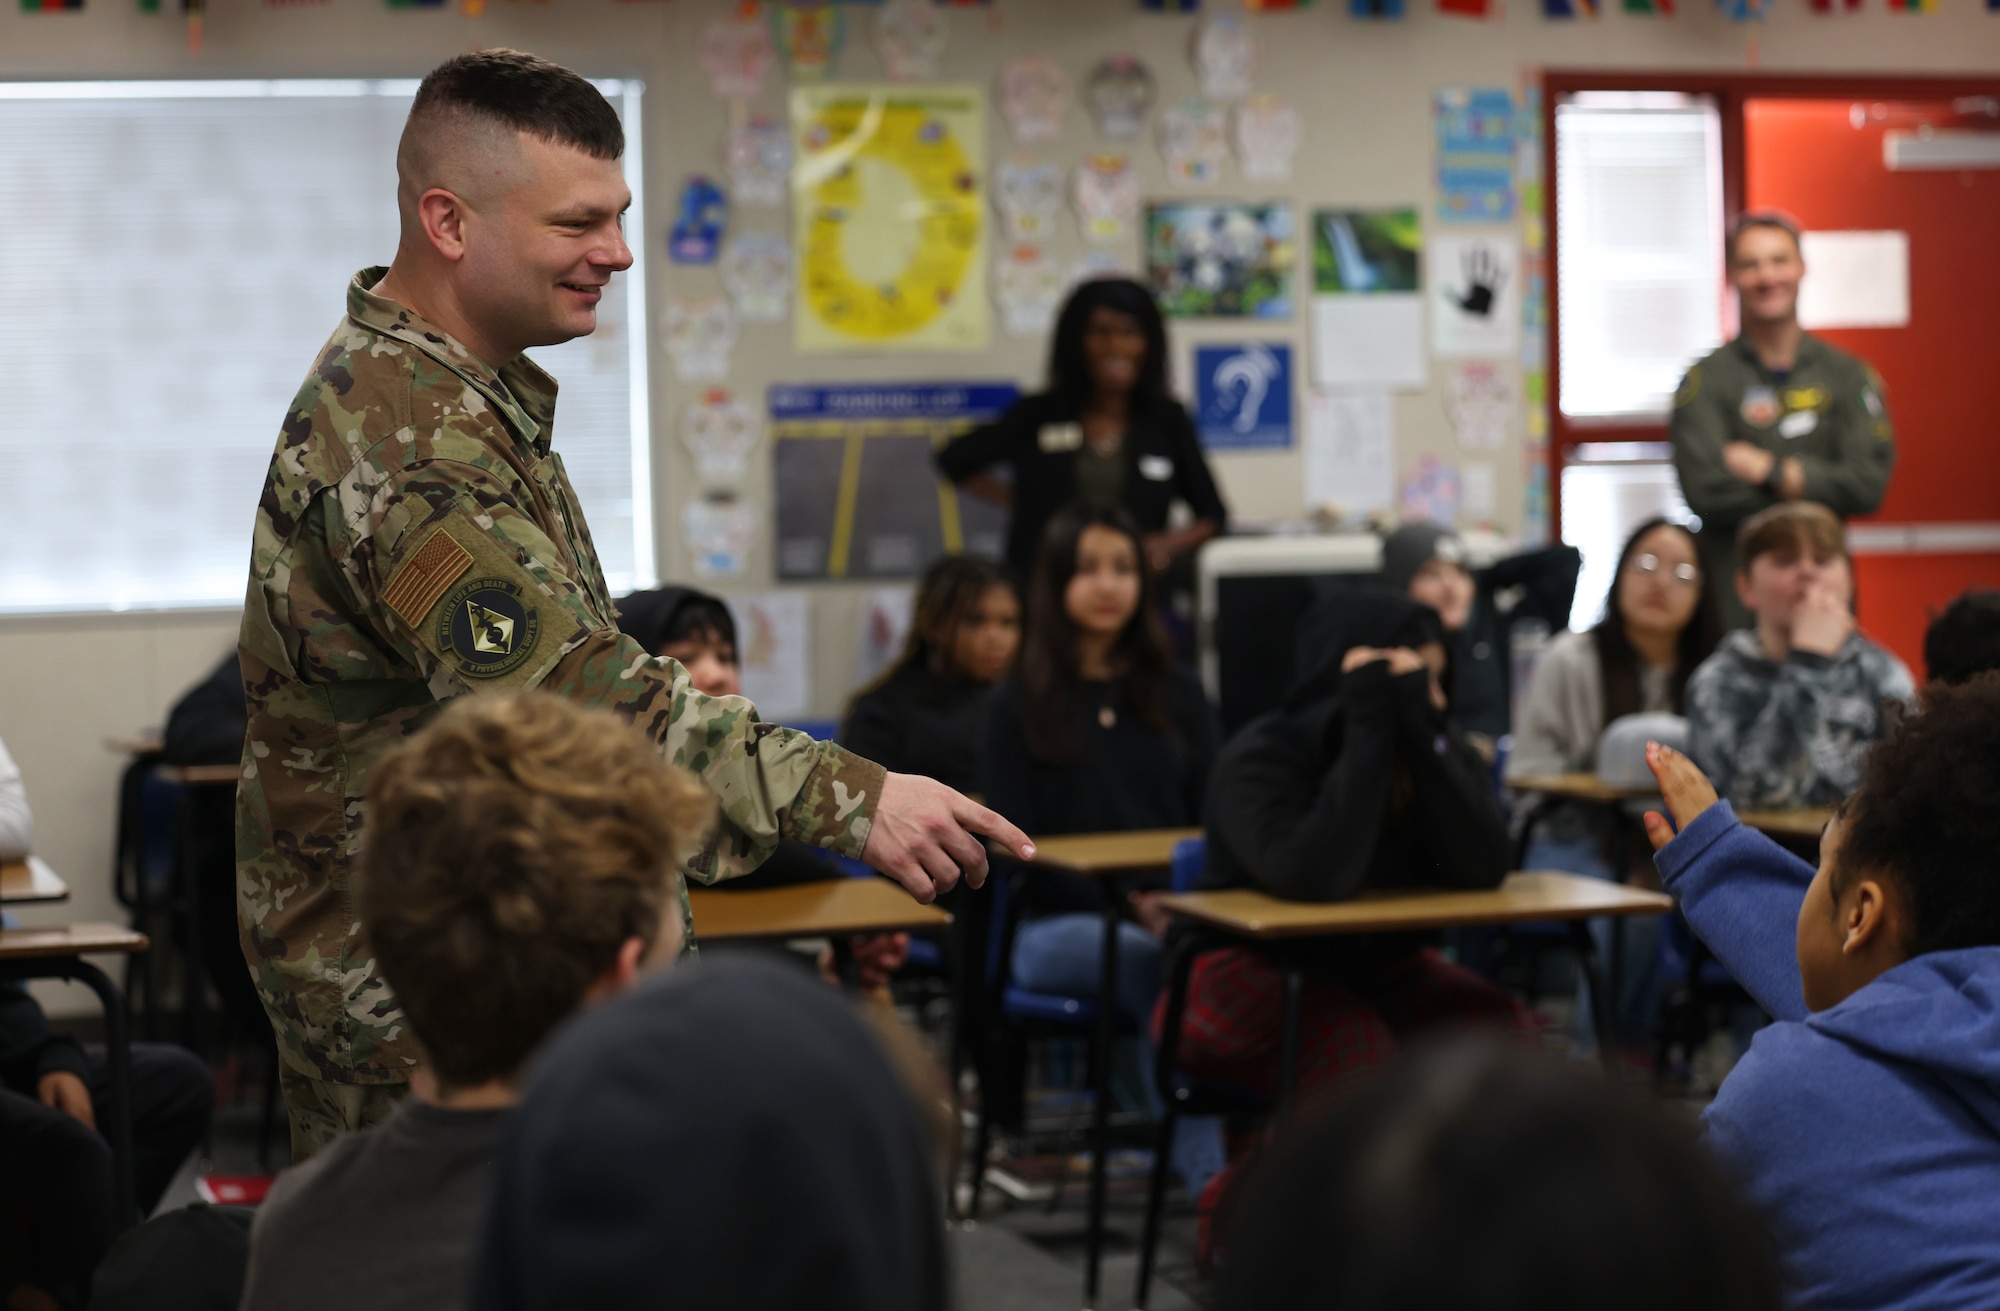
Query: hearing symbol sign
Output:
(1243,395)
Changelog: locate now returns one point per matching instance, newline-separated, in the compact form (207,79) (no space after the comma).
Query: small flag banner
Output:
(1836,6)
(1466,8)
(1918,6)
(1569,8)
(1273,6)
(1171,6)
(414,4)
(1375,8)
(1748,11)
(40,6)
(1650,8)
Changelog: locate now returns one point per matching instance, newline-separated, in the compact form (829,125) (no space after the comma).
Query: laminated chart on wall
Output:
(857,495)
(889,218)
(1475,154)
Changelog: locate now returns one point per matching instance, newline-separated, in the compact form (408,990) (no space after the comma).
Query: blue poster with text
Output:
(1243,395)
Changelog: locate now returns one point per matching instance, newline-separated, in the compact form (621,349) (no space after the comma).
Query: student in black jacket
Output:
(1361,781)
(926,714)
(1097,732)
(1105,434)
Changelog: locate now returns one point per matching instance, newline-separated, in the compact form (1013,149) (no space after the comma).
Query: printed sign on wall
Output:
(1243,395)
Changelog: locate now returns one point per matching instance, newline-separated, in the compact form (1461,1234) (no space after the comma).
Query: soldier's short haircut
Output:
(1785,527)
(1965,639)
(1924,818)
(509,851)
(524,92)
(1761,218)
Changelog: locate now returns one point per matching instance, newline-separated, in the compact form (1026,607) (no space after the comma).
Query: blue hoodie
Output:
(1867,1133)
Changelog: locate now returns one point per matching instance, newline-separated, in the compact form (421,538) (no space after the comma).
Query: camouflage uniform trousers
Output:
(321,1112)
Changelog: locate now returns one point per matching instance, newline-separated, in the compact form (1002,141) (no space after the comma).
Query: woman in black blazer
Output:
(1105,434)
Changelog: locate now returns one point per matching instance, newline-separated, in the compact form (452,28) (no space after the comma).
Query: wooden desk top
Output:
(1103,855)
(202,774)
(809,910)
(1804,824)
(1536,896)
(1580,787)
(68,940)
(29,880)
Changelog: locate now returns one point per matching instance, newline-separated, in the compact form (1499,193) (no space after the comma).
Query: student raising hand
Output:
(1683,786)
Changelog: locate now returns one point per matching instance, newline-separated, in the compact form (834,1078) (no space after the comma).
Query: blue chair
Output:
(1181,1093)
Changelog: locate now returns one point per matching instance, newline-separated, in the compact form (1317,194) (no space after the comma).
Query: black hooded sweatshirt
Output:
(1358,781)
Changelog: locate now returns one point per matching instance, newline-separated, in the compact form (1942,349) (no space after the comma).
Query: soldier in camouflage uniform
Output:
(1776,415)
(417,539)
(1782,714)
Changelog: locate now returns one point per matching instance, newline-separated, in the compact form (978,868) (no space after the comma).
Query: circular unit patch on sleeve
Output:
(487,627)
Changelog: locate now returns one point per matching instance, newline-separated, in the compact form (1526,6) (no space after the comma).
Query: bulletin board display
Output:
(889,217)
(857,495)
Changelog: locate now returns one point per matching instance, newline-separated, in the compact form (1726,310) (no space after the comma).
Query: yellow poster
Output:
(889,214)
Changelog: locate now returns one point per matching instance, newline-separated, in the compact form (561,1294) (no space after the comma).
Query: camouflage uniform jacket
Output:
(1826,411)
(418,539)
(1779,734)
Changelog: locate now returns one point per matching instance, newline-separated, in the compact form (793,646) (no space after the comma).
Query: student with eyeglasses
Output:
(1660,622)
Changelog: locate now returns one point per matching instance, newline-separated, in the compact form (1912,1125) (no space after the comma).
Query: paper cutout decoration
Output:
(1119,94)
(885,624)
(1028,196)
(1430,492)
(759,156)
(720,432)
(1268,132)
(1225,56)
(1105,190)
(697,232)
(1823,6)
(700,334)
(1028,285)
(1095,264)
(809,36)
(1350,453)
(774,643)
(889,216)
(910,37)
(1194,141)
(756,270)
(1034,96)
(720,528)
(736,53)
(1479,398)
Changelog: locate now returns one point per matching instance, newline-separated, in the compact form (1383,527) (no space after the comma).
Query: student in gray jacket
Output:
(1660,622)
(1782,715)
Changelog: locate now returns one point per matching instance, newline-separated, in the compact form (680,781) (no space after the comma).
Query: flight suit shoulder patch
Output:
(1690,387)
(491,621)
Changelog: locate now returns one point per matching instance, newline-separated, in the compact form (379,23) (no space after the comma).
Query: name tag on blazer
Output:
(1798,423)
(1055,438)
(1156,467)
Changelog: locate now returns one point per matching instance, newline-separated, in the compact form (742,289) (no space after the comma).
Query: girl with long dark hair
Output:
(1097,731)
(1106,433)
(926,713)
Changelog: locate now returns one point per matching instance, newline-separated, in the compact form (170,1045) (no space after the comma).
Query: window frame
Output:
(626,93)
(1729,92)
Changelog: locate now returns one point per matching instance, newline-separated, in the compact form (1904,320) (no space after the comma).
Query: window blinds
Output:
(176,254)
(1638,249)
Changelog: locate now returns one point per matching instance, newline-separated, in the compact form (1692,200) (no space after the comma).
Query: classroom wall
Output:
(1364,88)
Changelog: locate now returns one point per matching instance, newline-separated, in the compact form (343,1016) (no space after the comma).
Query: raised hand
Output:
(1684,788)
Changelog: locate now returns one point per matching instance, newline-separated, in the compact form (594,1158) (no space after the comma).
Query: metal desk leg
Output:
(1107,1016)
(1602,1007)
(1165,1059)
(1288,1066)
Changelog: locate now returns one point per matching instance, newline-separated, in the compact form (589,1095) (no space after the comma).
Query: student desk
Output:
(1104,857)
(1258,919)
(1789,826)
(23,882)
(58,953)
(831,909)
(1801,825)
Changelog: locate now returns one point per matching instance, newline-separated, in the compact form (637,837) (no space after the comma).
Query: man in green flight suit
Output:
(1777,414)
(417,539)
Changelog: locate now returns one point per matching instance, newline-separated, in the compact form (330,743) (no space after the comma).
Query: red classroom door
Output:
(1938,529)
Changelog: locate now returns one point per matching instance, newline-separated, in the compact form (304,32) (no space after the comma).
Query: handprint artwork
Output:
(1483,277)
(1475,307)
